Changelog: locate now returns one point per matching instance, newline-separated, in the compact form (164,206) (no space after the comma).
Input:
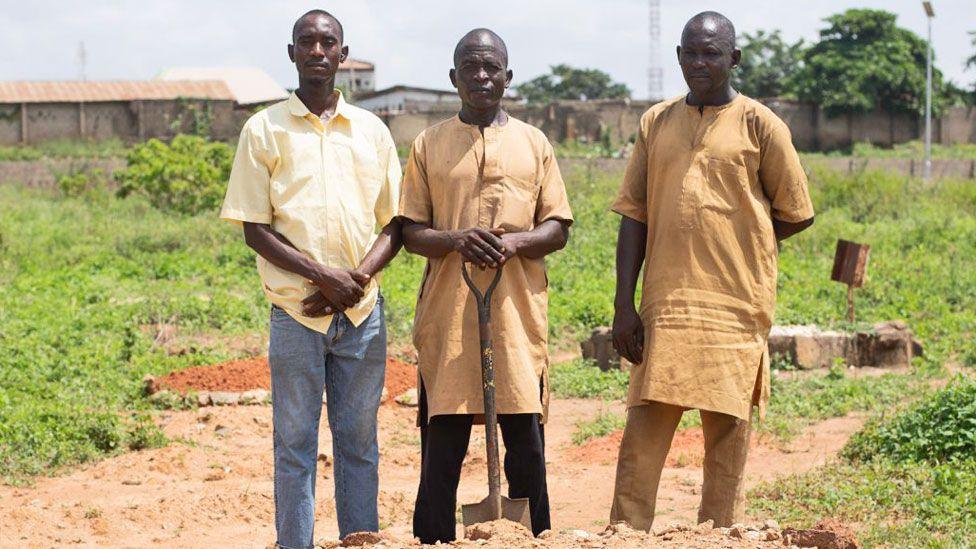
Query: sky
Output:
(411,42)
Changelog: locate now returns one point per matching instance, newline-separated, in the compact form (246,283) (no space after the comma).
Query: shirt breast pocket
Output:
(516,204)
(724,186)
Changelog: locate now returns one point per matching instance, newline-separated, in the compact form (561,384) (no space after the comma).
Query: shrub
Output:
(938,430)
(82,183)
(188,175)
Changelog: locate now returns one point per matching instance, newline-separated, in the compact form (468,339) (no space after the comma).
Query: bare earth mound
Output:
(254,373)
(504,534)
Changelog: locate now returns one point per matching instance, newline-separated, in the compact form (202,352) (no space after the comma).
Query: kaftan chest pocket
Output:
(514,201)
(724,185)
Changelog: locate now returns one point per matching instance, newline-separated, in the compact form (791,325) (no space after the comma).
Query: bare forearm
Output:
(548,237)
(631,248)
(422,240)
(281,253)
(386,247)
(785,229)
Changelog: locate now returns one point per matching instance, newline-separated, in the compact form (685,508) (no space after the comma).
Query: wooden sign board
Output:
(850,263)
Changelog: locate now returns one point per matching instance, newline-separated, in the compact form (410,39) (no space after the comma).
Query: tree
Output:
(863,61)
(567,82)
(971,62)
(769,65)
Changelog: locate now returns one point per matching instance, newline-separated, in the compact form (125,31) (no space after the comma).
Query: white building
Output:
(356,76)
(249,85)
(400,99)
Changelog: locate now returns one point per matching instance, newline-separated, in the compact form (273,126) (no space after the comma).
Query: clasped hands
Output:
(485,247)
(338,290)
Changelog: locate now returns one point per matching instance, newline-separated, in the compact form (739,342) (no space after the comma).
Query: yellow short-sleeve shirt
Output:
(459,178)
(708,183)
(328,186)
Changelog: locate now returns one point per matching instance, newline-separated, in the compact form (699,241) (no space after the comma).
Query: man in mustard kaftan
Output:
(481,187)
(714,183)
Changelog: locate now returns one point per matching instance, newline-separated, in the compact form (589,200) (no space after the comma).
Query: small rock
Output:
(221,430)
(581,534)
(773,535)
(255,396)
(546,534)
(263,422)
(384,395)
(131,482)
(620,529)
(360,539)
(214,475)
(755,535)
(161,396)
(771,524)
(325,459)
(408,398)
(737,532)
(149,384)
(203,399)
(203,416)
(223,398)
(324,398)
(704,526)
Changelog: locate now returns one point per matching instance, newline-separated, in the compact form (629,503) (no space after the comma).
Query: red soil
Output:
(254,373)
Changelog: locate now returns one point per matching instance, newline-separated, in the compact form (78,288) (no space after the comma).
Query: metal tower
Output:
(655,72)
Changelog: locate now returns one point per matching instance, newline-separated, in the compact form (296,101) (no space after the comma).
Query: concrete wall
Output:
(582,120)
(812,129)
(126,120)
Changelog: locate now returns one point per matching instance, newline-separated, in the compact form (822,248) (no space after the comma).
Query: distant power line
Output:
(82,61)
(655,72)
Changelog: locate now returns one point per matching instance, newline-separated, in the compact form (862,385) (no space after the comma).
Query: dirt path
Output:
(214,487)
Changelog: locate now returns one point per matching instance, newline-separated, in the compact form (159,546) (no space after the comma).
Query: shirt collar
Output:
(297,108)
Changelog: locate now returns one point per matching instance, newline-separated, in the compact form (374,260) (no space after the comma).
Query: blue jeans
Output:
(349,362)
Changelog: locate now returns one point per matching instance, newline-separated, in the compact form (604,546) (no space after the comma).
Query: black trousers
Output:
(443,444)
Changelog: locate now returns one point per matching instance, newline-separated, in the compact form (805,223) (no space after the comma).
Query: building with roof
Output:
(249,86)
(356,76)
(31,112)
(400,99)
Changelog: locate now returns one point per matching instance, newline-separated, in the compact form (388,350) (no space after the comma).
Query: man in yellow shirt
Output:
(482,187)
(714,183)
(313,180)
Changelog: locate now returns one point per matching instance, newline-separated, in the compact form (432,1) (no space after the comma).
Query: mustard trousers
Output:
(647,439)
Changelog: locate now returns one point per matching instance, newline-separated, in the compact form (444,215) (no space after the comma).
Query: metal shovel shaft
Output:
(495,506)
(488,388)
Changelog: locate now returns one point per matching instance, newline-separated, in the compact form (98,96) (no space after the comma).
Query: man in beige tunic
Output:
(714,183)
(481,187)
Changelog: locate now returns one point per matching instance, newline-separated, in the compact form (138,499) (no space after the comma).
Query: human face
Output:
(481,76)
(706,60)
(318,49)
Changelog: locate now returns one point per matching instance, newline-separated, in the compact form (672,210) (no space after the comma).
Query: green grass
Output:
(603,424)
(582,379)
(890,504)
(911,149)
(65,149)
(907,479)
(794,404)
(938,430)
(797,403)
(80,277)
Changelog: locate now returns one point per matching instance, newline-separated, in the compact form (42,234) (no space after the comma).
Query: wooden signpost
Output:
(850,267)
